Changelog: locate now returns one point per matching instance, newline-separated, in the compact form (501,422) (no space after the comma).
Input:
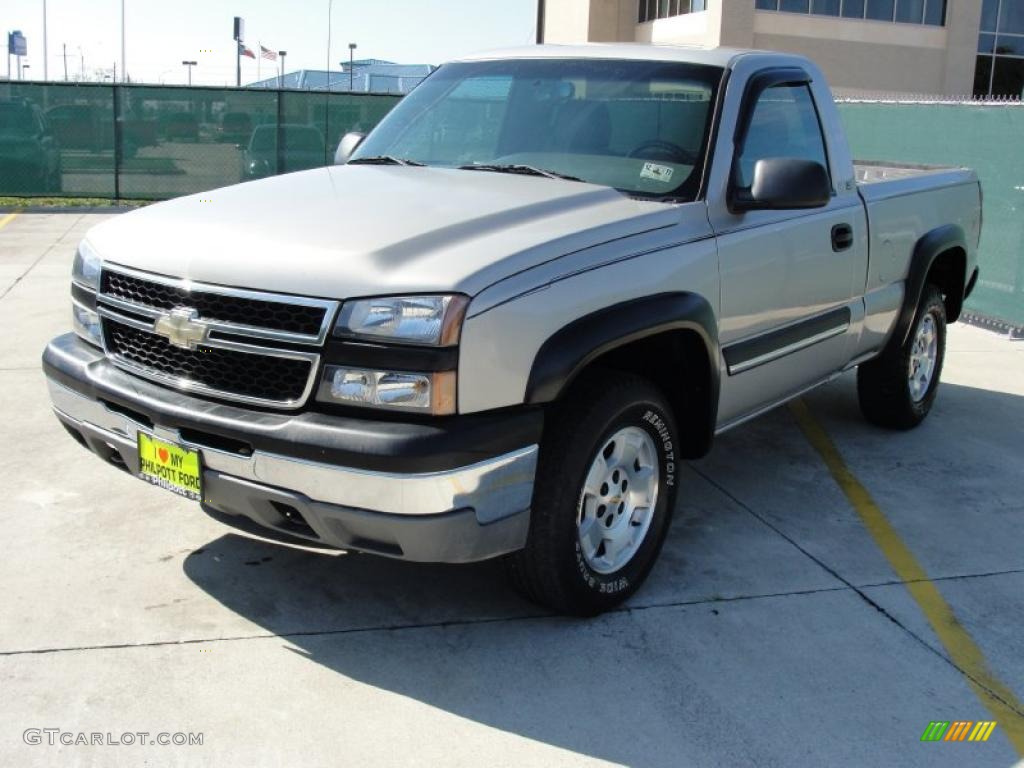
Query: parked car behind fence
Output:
(29,152)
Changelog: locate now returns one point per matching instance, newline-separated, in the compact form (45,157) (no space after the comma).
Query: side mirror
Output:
(348,144)
(784,183)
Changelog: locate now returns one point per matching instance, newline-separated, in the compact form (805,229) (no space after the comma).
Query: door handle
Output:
(842,237)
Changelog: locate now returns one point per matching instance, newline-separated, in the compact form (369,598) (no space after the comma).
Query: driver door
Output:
(787,276)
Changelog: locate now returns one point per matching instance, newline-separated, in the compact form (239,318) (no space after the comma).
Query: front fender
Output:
(570,349)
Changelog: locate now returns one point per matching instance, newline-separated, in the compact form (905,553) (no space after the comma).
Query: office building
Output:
(940,47)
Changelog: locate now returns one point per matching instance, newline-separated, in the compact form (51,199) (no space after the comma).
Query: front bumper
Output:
(257,466)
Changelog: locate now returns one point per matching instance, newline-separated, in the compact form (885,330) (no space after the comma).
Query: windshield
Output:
(639,126)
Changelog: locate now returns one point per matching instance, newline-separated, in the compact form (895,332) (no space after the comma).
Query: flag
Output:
(266,53)
(243,51)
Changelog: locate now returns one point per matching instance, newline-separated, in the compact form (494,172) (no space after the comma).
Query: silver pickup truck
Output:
(496,328)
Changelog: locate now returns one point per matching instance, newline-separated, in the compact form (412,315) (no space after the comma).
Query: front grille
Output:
(260,313)
(253,347)
(235,374)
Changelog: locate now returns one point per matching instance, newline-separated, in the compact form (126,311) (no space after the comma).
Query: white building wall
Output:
(856,56)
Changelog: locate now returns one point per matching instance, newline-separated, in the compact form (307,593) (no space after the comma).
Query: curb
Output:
(68,208)
(1014,332)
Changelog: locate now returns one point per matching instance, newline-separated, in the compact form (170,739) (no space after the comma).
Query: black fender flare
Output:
(928,248)
(569,350)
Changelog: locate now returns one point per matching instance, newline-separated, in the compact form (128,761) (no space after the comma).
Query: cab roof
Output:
(716,57)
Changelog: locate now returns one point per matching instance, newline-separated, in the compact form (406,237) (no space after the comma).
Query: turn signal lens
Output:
(87,324)
(432,393)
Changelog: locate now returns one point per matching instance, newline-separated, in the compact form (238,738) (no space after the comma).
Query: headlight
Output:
(429,320)
(86,324)
(86,269)
(85,278)
(432,393)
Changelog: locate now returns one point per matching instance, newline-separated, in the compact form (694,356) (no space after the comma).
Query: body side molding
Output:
(750,353)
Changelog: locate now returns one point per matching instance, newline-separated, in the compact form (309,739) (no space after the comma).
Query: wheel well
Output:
(949,273)
(678,363)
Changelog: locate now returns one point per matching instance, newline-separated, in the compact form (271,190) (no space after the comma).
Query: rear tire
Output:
(603,498)
(897,390)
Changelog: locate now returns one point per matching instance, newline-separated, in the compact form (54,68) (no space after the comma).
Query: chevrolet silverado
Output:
(497,325)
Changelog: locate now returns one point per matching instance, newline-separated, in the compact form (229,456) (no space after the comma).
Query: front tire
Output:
(897,390)
(604,495)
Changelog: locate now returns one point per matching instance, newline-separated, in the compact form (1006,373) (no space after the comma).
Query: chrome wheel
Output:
(619,495)
(923,357)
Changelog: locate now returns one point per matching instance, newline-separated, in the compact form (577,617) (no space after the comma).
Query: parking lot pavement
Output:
(777,628)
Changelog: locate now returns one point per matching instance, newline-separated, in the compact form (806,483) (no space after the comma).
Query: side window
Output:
(783,123)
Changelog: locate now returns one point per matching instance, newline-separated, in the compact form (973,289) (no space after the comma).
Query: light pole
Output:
(189,64)
(46,71)
(239,30)
(124,63)
(351,66)
(327,75)
(280,77)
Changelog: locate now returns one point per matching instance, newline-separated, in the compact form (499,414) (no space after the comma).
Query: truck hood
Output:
(366,230)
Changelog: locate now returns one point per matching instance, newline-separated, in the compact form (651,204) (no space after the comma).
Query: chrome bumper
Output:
(492,490)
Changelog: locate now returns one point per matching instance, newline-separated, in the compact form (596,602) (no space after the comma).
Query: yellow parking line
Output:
(959,645)
(7,219)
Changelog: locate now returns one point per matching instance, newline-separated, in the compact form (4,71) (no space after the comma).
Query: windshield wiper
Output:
(384,160)
(526,170)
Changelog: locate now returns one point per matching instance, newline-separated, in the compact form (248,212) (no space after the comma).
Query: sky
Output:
(160,34)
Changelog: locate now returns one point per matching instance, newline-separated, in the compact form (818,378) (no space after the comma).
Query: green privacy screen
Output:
(987,138)
(153,142)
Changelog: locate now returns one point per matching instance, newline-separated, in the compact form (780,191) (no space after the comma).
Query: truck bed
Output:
(905,201)
(882,181)
(876,180)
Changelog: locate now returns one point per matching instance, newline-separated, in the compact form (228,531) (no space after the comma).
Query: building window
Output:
(882,10)
(662,9)
(1000,65)
(931,12)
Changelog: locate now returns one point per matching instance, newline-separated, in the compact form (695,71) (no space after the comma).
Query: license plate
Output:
(170,466)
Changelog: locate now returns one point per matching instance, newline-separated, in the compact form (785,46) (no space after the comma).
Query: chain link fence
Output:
(154,142)
(985,136)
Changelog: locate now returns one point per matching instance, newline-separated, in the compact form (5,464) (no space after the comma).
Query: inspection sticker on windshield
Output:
(662,173)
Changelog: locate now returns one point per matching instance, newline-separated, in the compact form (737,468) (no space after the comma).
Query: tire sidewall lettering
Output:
(663,434)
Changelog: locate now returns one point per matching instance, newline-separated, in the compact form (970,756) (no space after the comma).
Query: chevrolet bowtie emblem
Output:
(181,327)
